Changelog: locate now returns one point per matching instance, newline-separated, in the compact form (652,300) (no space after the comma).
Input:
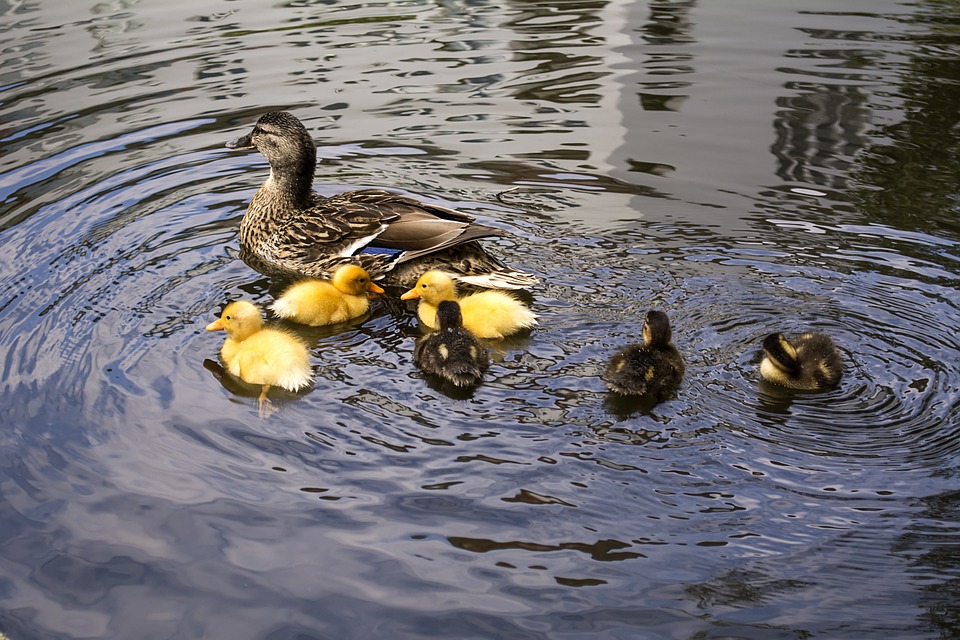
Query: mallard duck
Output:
(452,352)
(261,355)
(289,229)
(486,314)
(809,362)
(319,302)
(653,368)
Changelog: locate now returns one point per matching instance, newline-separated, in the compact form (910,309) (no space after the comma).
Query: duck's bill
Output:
(410,295)
(216,325)
(246,142)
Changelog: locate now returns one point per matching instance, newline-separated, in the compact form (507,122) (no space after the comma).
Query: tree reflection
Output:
(933,545)
(912,176)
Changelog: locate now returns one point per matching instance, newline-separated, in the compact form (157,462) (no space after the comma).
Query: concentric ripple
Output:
(672,157)
(896,404)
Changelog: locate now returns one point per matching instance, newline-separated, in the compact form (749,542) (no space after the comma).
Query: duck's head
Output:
(284,141)
(448,315)
(433,287)
(656,329)
(781,353)
(239,319)
(354,280)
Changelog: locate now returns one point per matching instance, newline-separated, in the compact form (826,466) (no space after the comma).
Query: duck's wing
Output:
(408,225)
(338,226)
(384,231)
(298,261)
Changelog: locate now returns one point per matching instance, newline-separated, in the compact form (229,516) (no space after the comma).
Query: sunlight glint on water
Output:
(747,169)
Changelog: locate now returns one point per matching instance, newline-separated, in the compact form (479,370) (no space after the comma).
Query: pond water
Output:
(746,166)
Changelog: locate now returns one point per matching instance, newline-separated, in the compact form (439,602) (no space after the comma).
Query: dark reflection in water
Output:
(907,175)
(768,168)
(929,545)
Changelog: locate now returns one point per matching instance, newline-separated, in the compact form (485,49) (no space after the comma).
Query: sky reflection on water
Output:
(746,169)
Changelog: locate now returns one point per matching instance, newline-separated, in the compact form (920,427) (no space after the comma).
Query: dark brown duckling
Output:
(452,352)
(809,362)
(653,368)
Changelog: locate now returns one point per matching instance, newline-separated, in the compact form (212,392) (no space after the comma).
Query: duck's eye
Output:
(228,317)
(423,286)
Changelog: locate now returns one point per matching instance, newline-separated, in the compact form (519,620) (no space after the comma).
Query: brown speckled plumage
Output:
(808,362)
(452,352)
(653,368)
(289,229)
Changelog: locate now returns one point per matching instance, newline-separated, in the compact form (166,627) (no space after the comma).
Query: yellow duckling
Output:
(452,352)
(653,368)
(261,355)
(319,302)
(810,362)
(487,314)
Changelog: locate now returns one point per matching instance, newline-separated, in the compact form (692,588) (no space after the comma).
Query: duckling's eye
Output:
(423,286)
(228,317)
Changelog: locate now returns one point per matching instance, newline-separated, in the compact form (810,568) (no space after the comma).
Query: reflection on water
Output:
(753,170)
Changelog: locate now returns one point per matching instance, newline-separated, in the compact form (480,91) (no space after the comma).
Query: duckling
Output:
(318,302)
(452,352)
(809,362)
(290,229)
(653,368)
(486,314)
(261,355)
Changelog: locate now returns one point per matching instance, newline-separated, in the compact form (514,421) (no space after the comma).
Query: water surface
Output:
(746,168)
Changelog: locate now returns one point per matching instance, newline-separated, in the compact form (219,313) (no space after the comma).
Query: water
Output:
(745,167)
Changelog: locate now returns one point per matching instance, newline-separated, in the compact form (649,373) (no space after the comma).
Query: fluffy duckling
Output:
(653,368)
(487,314)
(318,302)
(452,352)
(809,362)
(261,355)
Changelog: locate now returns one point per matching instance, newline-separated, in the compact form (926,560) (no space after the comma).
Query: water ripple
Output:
(141,492)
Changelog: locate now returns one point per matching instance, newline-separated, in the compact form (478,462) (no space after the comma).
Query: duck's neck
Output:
(291,181)
(287,190)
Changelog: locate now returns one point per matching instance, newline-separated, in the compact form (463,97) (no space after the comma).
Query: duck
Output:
(653,368)
(320,302)
(451,352)
(486,314)
(289,229)
(809,362)
(261,355)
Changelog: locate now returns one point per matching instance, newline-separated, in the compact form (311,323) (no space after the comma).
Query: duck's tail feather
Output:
(444,237)
(499,280)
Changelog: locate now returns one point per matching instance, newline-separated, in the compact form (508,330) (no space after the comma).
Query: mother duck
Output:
(291,230)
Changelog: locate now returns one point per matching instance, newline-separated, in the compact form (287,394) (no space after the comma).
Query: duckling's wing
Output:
(630,371)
